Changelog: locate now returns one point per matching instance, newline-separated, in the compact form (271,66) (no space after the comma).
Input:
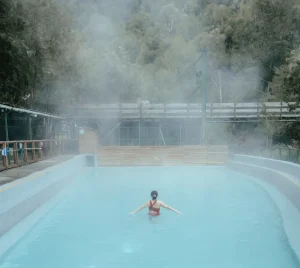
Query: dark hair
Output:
(154,195)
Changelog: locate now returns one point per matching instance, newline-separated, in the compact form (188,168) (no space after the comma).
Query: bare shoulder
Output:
(161,203)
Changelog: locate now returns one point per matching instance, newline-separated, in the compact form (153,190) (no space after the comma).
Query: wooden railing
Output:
(19,153)
(223,111)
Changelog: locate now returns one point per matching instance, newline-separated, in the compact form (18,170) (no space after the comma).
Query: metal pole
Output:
(128,136)
(204,89)
(45,128)
(139,133)
(48,129)
(6,127)
(119,133)
(51,128)
(29,128)
(180,134)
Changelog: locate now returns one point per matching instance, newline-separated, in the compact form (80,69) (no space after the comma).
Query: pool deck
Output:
(13,174)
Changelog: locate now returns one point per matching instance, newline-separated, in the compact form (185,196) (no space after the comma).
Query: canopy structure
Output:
(6,108)
(18,123)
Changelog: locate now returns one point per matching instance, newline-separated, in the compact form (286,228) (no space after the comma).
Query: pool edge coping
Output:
(275,194)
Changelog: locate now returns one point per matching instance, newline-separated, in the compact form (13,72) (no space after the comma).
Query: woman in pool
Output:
(154,206)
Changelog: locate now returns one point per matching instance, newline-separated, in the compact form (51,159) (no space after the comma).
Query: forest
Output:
(68,52)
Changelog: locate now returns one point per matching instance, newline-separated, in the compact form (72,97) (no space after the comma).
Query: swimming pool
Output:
(228,221)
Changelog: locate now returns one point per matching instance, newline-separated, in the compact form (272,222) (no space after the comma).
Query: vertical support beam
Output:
(180,134)
(16,157)
(5,158)
(203,91)
(128,136)
(30,127)
(25,153)
(6,127)
(139,133)
(50,129)
(159,135)
(119,134)
(45,128)
(33,151)
(40,151)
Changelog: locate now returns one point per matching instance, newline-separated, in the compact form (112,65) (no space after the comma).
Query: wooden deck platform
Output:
(162,155)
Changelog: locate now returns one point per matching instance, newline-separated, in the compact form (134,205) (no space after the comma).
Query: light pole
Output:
(202,75)
(203,91)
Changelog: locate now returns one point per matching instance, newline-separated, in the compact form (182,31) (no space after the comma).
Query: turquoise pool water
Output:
(228,221)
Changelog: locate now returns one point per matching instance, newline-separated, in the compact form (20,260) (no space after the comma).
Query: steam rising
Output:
(121,38)
(134,50)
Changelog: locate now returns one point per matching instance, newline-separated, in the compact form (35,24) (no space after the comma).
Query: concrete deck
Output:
(13,174)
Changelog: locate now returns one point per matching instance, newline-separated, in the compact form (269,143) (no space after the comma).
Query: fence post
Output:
(16,157)
(33,151)
(40,150)
(5,162)
(25,153)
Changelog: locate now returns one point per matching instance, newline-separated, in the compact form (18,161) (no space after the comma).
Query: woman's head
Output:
(154,195)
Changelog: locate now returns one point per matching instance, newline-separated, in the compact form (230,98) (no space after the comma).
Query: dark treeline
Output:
(74,51)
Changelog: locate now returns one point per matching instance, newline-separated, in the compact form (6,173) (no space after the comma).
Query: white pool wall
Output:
(281,180)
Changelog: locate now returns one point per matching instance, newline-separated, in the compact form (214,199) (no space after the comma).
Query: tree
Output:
(271,126)
(37,41)
(285,84)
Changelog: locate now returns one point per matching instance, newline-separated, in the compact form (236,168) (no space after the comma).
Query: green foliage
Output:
(285,84)
(36,40)
(73,51)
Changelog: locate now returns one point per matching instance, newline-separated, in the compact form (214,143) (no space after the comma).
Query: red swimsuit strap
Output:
(152,204)
(151,208)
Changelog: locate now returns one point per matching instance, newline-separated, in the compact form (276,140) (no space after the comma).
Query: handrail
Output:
(20,141)
(194,110)
(19,153)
